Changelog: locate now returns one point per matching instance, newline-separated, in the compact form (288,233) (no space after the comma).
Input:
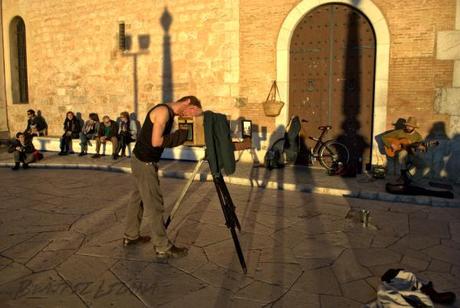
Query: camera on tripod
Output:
(195,128)
(242,129)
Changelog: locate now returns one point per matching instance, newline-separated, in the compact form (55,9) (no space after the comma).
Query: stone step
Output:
(51,144)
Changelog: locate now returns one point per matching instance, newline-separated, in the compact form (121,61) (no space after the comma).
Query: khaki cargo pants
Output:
(146,202)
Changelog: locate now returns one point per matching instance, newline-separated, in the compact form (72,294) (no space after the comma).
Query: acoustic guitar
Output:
(406,144)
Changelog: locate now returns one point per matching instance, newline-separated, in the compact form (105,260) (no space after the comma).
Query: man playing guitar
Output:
(402,141)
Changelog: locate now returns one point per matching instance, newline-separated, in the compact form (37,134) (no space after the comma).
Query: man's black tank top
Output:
(144,150)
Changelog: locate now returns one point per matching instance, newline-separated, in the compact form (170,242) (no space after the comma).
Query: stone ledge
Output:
(308,188)
(51,144)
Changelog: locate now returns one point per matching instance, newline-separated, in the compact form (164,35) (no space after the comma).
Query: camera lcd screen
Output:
(189,127)
(247,128)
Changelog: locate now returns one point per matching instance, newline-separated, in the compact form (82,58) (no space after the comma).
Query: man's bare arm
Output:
(159,117)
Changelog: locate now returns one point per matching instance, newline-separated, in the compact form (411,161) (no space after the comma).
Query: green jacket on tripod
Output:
(219,146)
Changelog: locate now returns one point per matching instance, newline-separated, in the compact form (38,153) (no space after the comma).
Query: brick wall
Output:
(259,27)
(74,64)
(223,51)
(414,72)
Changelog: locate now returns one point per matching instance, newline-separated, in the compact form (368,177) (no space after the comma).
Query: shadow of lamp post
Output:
(125,45)
(167,84)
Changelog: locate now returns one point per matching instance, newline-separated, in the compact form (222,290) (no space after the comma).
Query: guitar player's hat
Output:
(400,123)
(412,122)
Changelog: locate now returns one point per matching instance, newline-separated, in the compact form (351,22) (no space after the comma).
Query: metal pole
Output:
(184,191)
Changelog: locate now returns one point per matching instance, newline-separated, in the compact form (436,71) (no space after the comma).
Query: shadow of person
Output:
(453,162)
(259,135)
(80,119)
(434,157)
(356,144)
(303,158)
(41,118)
(274,156)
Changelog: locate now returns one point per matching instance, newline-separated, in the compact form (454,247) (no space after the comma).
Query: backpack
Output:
(284,150)
(273,159)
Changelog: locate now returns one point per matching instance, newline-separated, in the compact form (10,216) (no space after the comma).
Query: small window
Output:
(18,60)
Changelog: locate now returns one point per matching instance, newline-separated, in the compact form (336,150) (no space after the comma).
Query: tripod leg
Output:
(229,213)
(229,202)
(230,217)
(239,252)
(182,194)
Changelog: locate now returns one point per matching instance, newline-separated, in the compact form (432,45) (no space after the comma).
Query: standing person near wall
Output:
(71,131)
(107,132)
(89,132)
(127,133)
(155,135)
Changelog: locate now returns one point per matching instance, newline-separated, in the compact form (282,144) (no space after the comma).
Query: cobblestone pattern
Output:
(61,245)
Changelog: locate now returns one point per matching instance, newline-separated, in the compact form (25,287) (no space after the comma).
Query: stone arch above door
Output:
(372,12)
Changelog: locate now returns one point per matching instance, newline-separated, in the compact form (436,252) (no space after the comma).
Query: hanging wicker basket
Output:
(272,106)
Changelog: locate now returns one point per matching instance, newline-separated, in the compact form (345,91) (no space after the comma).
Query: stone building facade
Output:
(226,52)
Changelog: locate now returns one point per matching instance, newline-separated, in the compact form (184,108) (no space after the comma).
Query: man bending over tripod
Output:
(155,135)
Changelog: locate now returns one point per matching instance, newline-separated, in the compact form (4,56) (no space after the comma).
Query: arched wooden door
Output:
(331,76)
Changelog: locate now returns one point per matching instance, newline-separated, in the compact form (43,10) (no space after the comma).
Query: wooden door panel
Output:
(332,66)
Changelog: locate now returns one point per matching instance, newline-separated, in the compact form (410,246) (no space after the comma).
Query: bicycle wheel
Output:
(333,155)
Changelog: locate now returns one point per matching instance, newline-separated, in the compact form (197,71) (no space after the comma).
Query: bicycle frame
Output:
(319,143)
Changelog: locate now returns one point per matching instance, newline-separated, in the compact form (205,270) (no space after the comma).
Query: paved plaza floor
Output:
(291,178)
(61,246)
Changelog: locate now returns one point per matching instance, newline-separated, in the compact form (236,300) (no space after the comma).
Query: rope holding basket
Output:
(272,106)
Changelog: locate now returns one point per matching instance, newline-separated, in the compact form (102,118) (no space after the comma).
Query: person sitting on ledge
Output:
(89,132)
(36,125)
(107,132)
(22,150)
(127,133)
(71,131)
(403,152)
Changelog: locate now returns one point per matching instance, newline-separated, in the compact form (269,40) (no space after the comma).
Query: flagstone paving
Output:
(61,234)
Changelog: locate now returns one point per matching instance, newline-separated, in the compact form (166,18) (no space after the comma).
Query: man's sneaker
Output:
(114,156)
(62,153)
(173,252)
(96,156)
(140,239)
(25,166)
(16,166)
(82,154)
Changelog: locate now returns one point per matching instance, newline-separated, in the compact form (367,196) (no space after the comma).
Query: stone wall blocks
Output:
(446,45)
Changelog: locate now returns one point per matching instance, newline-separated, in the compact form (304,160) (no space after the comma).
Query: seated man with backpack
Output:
(23,151)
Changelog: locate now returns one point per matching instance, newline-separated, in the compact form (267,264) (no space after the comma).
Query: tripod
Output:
(228,208)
